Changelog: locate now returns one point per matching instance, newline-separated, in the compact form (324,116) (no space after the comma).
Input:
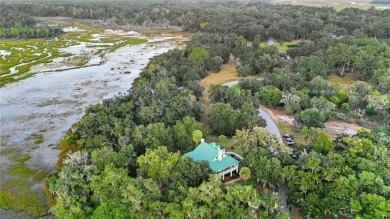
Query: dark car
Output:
(290,139)
(290,143)
(294,156)
(287,136)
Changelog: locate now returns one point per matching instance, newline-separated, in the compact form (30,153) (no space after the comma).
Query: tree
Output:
(199,55)
(311,67)
(379,103)
(200,201)
(104,156)
(245,70)
(258,137)
(374,206)
(214,64)
(72,189)
(248,117)
(323,144)
(197,136)
(157,164)
(266,167)
(310,134)
(357,95)
(222,138)
(381,78)
(311,118)
(223,118)
(323,105)
(108,189)
(251,84)
(292,103)
(245,173)
(319,86)
(341,56)
(183,133)
(151,136)
(256,42)
(270,95)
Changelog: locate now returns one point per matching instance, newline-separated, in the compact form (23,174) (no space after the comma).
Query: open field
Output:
(338,4)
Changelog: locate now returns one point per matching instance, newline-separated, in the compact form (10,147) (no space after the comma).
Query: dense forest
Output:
(16,24)
(129,160)
(380,2)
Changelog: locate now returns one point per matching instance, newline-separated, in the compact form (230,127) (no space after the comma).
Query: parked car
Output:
(290,139)
(287,136)
(294,156)
(290,143)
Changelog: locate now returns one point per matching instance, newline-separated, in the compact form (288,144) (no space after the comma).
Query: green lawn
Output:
(282,46)
(250,182)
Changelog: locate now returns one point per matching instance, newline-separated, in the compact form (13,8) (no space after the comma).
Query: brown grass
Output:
(348,79)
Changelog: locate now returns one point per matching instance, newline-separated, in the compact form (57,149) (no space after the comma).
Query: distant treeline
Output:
(280,22)
(16,24)
(380,2)
(26,32)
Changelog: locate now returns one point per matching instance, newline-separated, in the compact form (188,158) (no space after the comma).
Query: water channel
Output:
(47,105)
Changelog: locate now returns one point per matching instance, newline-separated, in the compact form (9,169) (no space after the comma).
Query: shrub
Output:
(311,118)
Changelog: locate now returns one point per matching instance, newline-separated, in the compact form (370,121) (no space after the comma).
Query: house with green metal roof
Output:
(220,162)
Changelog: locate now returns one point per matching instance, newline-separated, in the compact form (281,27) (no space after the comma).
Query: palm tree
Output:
(245,174)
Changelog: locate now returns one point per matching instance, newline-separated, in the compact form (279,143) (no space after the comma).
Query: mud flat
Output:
(36,112)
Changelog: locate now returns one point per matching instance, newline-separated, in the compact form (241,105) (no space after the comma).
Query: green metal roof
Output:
(209,152)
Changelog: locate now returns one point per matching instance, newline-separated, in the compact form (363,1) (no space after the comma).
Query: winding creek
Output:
(47,104)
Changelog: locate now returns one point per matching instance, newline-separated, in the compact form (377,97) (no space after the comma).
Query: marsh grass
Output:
(15,188)
(8,151)
(31,52)
(129,41)
(78,61)
(21,159)
(21,169)
(29,202)
(39,176)
(38,138)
